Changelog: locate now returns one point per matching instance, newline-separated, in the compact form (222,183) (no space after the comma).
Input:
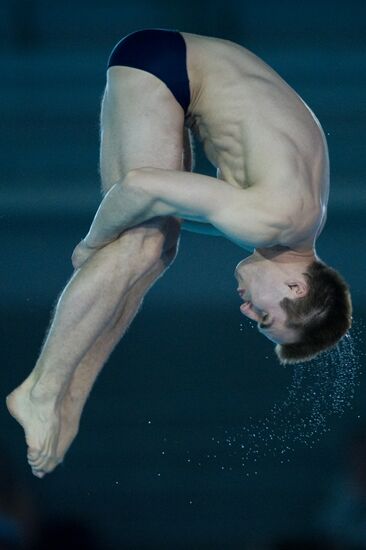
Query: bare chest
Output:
(253,126)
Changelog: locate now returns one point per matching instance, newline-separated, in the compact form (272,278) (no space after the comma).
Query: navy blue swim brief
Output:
(161,52)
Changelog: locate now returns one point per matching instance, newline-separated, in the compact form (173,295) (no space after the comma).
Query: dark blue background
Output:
(185,365)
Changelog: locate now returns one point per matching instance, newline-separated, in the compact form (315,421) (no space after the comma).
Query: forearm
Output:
(188,165)
(202,228)
(123,207)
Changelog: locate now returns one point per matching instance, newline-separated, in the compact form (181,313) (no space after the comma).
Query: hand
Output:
(82,252)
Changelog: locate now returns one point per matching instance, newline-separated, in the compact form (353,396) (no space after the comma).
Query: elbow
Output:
(131,178)
(141,179)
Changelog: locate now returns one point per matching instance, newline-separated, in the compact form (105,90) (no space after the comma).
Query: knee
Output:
(142,246)
(160,234)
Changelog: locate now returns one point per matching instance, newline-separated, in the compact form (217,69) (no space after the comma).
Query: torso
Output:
(258,132)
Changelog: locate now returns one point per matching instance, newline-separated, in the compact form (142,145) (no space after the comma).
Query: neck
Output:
(284,254)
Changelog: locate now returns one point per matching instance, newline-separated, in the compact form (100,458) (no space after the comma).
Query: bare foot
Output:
(41,423)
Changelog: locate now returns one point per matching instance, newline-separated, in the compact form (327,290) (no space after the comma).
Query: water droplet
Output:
(319,388)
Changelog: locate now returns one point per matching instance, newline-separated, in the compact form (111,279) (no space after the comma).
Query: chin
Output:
(277,341)
(274,340)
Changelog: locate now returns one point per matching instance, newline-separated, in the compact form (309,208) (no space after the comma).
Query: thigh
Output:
(141,124)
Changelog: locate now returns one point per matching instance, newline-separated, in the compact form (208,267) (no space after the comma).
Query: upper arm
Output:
(239,214)
(248,220)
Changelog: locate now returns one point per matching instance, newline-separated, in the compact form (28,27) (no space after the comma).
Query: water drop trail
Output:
(320,388)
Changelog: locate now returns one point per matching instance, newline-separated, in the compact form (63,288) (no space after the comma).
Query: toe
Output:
(38,473)
(37,462)
(51,464)
(41,463)
(33,454)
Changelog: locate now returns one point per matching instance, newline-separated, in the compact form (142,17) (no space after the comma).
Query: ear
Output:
(298,287)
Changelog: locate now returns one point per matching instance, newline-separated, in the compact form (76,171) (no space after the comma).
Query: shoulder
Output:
(296,211)
(248,220)
(303,227)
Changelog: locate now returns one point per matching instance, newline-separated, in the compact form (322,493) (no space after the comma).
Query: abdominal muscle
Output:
(253,126)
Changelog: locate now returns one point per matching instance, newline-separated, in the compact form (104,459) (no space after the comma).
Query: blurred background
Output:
(190,365)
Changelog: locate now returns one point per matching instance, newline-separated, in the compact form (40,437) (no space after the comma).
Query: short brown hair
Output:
(320,318)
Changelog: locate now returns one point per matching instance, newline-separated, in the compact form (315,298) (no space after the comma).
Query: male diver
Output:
(269,197)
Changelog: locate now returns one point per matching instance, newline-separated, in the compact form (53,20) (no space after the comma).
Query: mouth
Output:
(241,292)
(245,307)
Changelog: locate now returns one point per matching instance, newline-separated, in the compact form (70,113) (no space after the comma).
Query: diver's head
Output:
(298,302)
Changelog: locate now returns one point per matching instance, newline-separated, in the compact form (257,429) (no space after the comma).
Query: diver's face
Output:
(262,284)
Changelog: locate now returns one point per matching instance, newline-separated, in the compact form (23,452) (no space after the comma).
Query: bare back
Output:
(257,131)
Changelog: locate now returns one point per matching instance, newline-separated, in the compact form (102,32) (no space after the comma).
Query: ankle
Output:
(45,393)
